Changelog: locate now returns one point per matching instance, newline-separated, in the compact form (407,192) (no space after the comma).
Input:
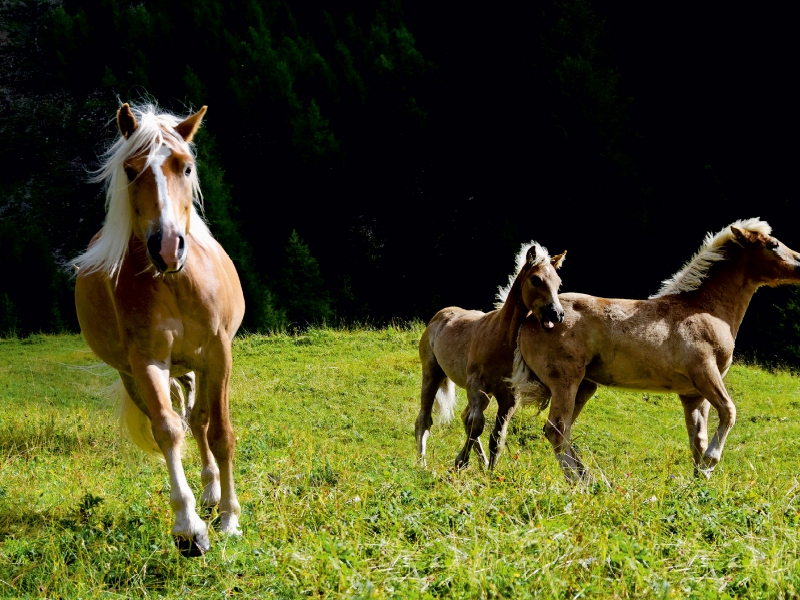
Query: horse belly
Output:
(637,376)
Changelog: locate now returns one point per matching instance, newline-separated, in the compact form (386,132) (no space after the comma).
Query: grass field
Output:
(334,504)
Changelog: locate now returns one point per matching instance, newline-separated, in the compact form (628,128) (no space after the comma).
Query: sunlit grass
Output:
(334,504)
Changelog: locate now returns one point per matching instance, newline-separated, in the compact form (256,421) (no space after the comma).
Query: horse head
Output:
(539,283)
(771,262)
(160,186)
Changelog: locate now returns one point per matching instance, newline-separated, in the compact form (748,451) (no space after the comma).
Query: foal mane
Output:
(694,272)
(542,257)
(154,128)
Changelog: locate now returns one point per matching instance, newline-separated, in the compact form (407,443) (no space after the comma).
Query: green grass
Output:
(334,504)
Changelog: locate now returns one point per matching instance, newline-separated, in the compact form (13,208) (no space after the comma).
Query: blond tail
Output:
(134,425)
(445,402)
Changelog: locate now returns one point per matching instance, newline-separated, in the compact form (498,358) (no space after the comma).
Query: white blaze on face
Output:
(157,165)
(170,236)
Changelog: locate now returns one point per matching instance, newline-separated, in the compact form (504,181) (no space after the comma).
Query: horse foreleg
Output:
(557,430)
(221,441)
(585,391)
(695,412)
(474,422)
(708,382)
(506,407)
(152,381)
(209,476)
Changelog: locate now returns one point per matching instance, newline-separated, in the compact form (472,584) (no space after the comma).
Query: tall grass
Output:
(335,505)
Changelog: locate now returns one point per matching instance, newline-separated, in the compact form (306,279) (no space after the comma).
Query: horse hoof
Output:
(191,548)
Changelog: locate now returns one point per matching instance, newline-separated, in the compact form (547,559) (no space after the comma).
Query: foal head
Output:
(539,283)
(770,261)
(161,182)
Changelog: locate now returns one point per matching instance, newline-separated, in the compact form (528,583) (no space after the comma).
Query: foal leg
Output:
(152,381)
(708,381)
(585,391)
(432,379)
(695,412)
(557,430)
(214,387)
(474,422)
(506,407)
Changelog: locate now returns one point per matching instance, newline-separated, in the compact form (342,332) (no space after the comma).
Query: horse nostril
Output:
(154,251)
(181,243)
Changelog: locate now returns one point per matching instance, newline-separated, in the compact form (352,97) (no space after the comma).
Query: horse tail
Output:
(134,425)
(527,387)
(445,402)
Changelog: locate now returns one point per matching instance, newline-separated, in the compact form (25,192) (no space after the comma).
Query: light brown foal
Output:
(681,340)
(158,299)
(475,350)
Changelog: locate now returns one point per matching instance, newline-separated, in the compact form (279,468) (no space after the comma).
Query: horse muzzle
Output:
(167,251)
(551,315)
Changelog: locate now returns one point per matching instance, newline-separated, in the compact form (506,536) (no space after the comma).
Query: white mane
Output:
(108,252)
(694,272)
(542,257)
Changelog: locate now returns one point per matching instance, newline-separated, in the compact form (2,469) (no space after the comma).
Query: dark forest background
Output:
(369,161)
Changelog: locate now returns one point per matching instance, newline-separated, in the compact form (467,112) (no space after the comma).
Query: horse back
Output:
(462,341)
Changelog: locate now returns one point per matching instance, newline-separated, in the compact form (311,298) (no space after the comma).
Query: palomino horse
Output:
(158,299)
(680,340)
(476,351)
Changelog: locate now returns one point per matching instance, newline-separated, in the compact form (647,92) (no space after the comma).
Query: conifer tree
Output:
(303,291)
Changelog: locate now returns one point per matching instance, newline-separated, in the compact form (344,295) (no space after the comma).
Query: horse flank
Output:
(109,250)
(694,272)
(542,256)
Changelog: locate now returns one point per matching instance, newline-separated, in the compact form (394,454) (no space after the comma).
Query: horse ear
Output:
(558,259)
(189,127)
(742,235)
(126,121)
(532,254)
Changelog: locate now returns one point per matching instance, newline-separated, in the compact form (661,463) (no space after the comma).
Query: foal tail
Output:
(445,402)
(134,425)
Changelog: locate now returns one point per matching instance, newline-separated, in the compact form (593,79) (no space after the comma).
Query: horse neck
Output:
(728,289)
(513,313)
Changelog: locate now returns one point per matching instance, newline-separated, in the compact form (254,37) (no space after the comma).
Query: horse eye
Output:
(188,170)
(773,245)
(536,281)
(131,174)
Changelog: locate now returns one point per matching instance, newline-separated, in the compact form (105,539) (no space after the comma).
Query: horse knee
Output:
(474,424)
(167,429)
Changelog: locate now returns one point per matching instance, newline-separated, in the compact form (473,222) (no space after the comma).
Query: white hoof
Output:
(229,524)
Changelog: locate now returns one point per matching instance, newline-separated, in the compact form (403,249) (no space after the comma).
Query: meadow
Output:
(336,506)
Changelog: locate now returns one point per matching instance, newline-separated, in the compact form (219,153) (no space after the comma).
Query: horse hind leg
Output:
(438,391)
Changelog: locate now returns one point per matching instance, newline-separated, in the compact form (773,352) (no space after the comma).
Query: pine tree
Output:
(303,292)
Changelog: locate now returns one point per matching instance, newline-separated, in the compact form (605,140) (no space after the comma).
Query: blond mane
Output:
(694,272)
(542,257)
(108,252)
